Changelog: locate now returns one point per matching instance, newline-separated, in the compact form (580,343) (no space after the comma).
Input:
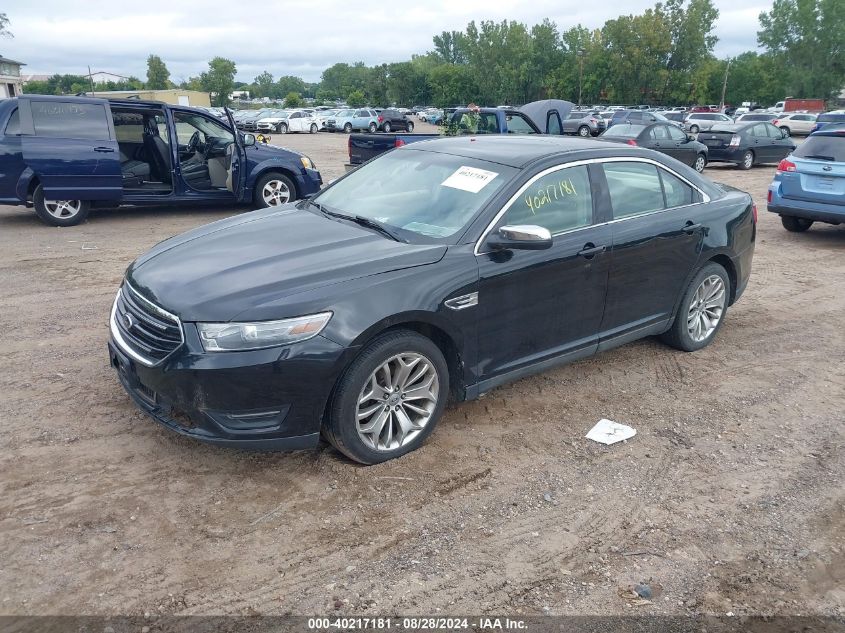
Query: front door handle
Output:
(590,250)
(691,227)
(104,150)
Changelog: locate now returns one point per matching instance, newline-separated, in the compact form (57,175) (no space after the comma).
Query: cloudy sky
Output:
(284,37)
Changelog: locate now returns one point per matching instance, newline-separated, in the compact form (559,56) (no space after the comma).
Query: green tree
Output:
(293,100)
(453,84)
(451,47)
(407,85)
(263,86)
(219,80)
(808,38)
(356,99)
(376,86)
(691,41)
(158,77)
(4,26)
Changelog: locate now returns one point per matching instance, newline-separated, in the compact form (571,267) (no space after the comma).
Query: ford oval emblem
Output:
(128,321)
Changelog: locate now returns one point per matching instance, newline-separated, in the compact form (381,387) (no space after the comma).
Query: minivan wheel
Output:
(273,189)
(389,399)
(584,131)
(700,163)
(701,311)
(747,160)
(59,212)
(795,225)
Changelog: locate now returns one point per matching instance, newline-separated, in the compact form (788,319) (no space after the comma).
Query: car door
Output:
(656,244)
(11,159)
(70,144)
(295,122)
(236,155)
(780,147)
(535,305)
(682,148)
(658,139)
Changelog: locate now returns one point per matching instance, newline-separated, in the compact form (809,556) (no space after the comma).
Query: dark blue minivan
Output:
(63,155)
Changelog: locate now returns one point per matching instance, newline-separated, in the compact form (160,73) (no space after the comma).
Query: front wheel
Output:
(59,212)
(747,160)
(283,129)
(386,126)
(693,129)
(372,127)
(389,399)
(313,128)
(787,130)
(273,189)
(348,128)
(584,131)
(795,225)
(701,311)
(700,163)
(410,126)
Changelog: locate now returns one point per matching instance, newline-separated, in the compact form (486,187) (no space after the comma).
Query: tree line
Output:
(663,55)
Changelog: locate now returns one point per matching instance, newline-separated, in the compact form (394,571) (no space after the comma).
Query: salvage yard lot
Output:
(730,497)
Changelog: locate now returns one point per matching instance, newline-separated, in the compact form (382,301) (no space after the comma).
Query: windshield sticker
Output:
(469,179)
(556,191)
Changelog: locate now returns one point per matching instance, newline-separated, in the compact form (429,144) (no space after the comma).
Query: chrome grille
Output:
(146,332)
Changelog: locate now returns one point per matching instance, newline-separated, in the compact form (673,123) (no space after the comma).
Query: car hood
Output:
(231,268)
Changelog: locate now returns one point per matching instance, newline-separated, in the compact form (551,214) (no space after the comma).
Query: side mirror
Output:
(527,237)
(249,139)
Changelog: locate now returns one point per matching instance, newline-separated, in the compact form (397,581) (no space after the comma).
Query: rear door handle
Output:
(104,150)
(590,250)
(690,227)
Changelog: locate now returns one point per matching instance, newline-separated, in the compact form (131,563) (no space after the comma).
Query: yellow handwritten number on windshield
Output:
(544,195)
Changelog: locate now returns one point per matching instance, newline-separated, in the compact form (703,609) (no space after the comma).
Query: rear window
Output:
(57,119)
(822,148)
(624,131)
(828,118)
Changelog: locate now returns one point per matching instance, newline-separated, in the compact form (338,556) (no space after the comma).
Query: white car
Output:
(295,121)
(270,122)
(796,123)
(323,116)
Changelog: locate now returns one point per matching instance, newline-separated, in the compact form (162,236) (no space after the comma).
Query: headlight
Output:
(306,162)
(231,337)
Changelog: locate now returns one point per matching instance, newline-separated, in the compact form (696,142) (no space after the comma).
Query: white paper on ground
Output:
(469,179)
(610,432)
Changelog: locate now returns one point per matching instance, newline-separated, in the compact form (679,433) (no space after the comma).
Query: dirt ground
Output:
(729,499)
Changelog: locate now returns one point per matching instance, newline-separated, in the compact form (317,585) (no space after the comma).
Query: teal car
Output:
(353,119)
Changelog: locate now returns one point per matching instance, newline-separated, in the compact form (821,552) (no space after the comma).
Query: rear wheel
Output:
(273,189)
(282,129)
(59,212)
(372,127)
(410,126)
(386,126)
(348,128)
(693,129)
(313,128)
(747,160)
(389,399)
(700,163)
(795,225)
(584,131)
(786,129)
(701,311)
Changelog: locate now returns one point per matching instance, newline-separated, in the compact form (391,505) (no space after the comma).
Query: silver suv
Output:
(584,124)
(702,121)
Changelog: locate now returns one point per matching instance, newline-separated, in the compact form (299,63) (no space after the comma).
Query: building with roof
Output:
(174,96)
(10,77)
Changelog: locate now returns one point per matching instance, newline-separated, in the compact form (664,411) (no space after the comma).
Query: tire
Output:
(584,131)
(341,426)
(795,225)
(693,129)
(683,334)
(273,189)
(787,130)
(372,127)
(59,212)
(313,128)
(700,163)
(386,126)
(410,127)
(348,128)
(747,160)
(282,129)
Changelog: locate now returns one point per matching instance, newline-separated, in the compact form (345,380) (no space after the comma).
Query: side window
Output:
(759,131)
(677,192)
(634,188)
(659,133)
(559,201)
(553,123)
(635,117)
(58,119)
(518,125)
(773,131)
(13,127)
(675,133)
(295,115)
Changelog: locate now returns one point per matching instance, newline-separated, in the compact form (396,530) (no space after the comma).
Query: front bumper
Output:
(271,399)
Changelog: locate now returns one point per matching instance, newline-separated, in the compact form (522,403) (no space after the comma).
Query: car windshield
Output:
(830,148)
(659,116)
(427,194)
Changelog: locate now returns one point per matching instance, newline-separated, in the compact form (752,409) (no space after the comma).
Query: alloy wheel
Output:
(397,401)
(275,192)
(748,160)
(63,209)
(706,308)
(700,163)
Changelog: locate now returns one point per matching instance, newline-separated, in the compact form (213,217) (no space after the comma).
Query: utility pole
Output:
(91,79)
(580,73)
(725,86)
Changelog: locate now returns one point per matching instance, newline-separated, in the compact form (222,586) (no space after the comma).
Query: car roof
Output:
(515,150)
(836,129)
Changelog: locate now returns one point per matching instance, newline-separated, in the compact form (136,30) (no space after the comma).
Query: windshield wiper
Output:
(820,157)
(358,219)
(375,225)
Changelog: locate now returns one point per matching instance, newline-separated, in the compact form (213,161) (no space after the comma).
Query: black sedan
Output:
(747,144)
(437,271)
(663,137)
